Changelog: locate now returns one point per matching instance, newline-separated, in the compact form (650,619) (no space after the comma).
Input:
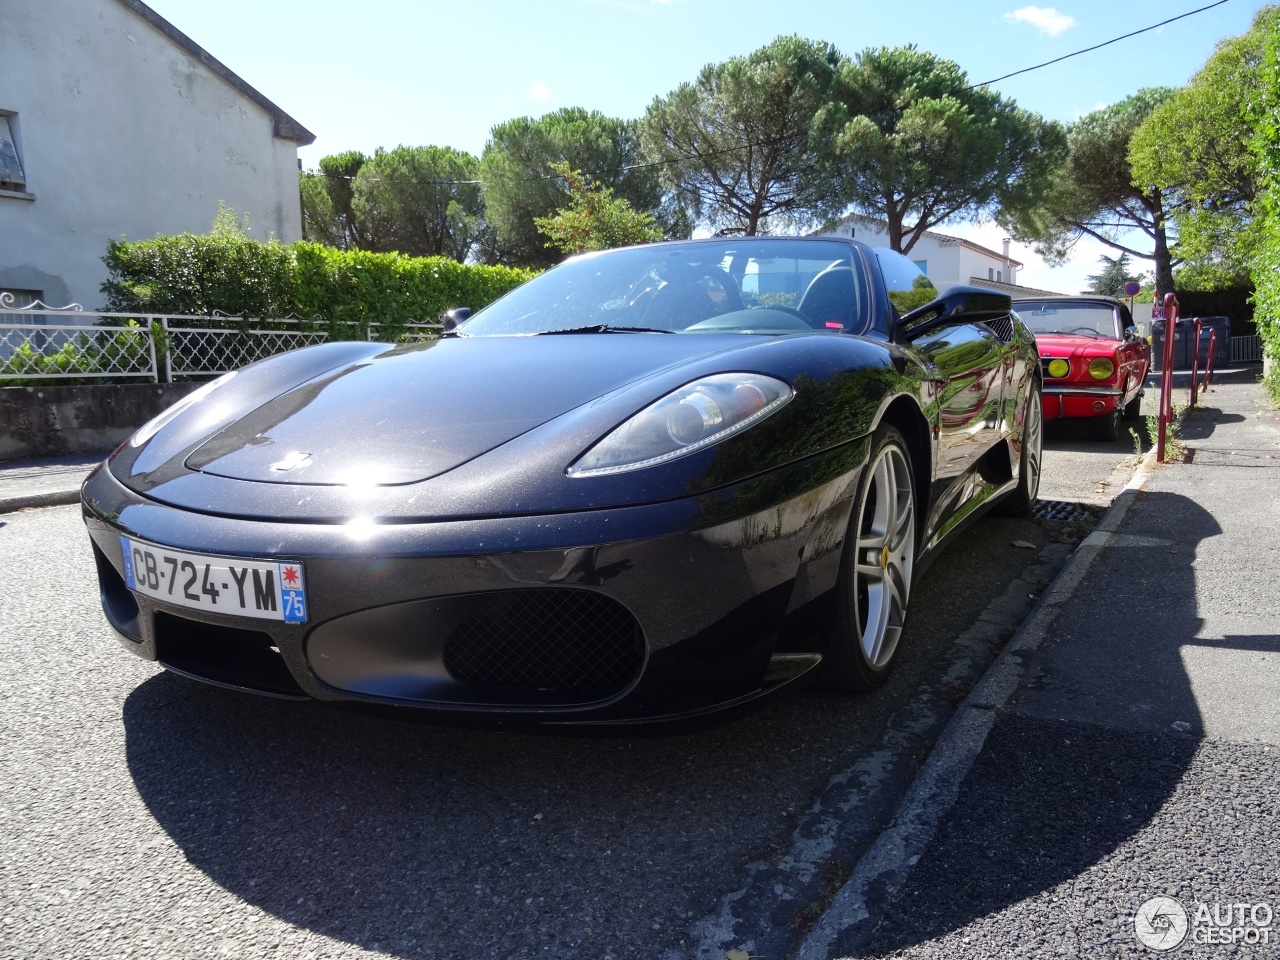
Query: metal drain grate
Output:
(1059,511)
(566,641)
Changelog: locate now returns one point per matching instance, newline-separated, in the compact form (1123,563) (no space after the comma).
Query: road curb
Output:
(883,869)
(56,498)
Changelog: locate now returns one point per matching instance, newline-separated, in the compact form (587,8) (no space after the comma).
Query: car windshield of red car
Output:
(1071,317)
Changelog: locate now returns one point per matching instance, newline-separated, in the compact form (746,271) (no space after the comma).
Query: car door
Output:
(967,362)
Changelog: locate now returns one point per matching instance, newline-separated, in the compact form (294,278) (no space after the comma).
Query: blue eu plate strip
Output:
(127,552)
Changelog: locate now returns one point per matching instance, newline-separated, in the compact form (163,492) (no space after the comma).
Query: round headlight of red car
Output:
(1101,368)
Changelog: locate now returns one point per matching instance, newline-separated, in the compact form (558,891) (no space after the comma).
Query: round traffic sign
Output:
(1131,288)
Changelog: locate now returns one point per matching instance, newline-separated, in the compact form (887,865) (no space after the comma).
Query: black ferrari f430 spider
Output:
(650,483)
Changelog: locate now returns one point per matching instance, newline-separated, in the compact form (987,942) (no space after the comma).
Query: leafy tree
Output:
(1195,145)
(1263,111)
(519,185)
(327,213)
(1093,193)
(1110,281)
(318,220)
(736,145)
(911,142)
(594,219)
(420,201)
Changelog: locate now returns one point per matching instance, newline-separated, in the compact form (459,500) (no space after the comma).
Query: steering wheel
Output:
(684,296)
(1089,330)
(732,294)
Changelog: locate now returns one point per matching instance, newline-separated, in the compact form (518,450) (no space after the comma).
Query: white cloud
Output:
(1045,19)
(539,91)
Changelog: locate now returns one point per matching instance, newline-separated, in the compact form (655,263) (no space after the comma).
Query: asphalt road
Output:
(1139,755)
(144,814)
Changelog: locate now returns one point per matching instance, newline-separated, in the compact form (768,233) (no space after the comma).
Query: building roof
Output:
(284,127)
(1013,289)
(943,239)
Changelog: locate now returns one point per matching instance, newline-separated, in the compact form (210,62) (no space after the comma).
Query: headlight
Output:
(1101,368)
(691,418)
(152,427)
(1059,368)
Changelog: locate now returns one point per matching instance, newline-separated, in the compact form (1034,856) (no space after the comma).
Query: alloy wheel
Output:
(885,555)
(1033,442)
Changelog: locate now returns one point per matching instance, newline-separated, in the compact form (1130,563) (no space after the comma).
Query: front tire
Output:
(1106,427)
(1133,409)
(875,571)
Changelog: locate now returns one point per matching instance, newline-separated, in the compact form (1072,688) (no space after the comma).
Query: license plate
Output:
(264,589)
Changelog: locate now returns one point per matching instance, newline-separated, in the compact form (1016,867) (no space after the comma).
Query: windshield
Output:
(1066,316)
(740,285)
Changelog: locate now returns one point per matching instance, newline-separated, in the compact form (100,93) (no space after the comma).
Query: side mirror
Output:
(956,305)
(454,317)
(1131,333)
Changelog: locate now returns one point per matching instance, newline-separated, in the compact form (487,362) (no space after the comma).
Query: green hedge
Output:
(342,289)
(350,288)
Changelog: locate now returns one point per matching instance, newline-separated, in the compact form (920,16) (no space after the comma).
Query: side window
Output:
(12,175)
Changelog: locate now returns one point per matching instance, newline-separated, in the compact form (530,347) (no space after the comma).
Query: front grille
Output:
(226,655)
(562,641)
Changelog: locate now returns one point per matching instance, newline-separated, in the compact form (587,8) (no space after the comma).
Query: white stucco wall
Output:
(122,132)
(948,263)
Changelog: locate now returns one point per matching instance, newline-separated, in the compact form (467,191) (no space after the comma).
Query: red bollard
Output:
(1166,374)
(1208,367)
(1195,358)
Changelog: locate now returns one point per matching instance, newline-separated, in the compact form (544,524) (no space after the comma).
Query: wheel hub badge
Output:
(884,557)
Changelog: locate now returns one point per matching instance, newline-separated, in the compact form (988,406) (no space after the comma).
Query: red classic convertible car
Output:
(1093,362)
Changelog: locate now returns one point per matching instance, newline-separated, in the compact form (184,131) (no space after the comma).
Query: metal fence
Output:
(1246,349)
(38,342)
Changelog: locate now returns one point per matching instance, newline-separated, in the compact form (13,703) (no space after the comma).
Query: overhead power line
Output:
(712,153)
(1099,46)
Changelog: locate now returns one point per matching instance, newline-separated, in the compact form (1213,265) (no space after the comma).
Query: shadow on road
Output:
(1202,421)
(410,839)
(417,840)
(1087,753)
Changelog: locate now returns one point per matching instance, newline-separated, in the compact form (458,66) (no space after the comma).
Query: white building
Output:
(947,261)
(112,122)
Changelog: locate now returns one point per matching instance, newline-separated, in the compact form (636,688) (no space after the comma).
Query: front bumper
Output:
(1079,400)
(715,587)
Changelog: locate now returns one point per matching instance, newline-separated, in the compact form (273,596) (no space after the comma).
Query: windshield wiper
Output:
(602,328)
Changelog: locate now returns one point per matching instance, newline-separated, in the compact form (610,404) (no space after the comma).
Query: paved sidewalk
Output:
(1126,746)
(43,483)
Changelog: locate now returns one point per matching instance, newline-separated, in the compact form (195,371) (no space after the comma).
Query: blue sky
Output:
(387,72)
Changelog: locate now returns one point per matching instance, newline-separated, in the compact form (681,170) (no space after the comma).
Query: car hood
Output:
(485,426)
(1067,345)
(412,413)
(370,415)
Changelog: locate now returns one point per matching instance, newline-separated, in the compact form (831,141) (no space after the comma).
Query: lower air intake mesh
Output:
(565,641)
